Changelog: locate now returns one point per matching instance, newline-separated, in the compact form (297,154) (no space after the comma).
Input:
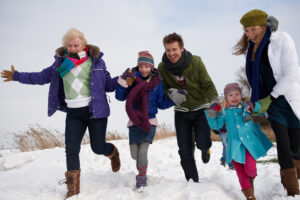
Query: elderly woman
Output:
(78,84)
(273,73)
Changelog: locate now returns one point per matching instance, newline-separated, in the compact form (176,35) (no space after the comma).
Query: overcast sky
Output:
(31,30)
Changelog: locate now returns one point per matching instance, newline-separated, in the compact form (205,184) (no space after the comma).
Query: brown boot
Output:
(249,194)
(297,165)
(289,180)
(115,159)
(73,182)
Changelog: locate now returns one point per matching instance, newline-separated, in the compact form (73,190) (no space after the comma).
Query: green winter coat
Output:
(201,90)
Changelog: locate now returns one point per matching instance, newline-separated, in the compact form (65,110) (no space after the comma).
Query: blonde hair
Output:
(242,45)
(223,102)
(71,34)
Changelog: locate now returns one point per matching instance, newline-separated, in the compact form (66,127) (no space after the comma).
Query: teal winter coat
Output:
(241,136)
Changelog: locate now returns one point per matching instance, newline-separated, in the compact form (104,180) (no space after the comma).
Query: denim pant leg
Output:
(223,137)
(183,127)
(76,125)
(97,131)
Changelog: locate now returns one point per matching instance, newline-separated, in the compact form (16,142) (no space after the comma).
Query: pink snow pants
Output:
(245,171)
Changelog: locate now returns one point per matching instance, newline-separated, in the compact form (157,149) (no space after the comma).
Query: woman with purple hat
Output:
(273,73)
(142,89)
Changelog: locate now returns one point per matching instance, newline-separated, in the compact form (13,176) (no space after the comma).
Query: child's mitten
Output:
(213,110)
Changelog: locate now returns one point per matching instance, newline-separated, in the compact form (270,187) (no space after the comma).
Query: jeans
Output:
(77,120)
(223,137)
(185,123)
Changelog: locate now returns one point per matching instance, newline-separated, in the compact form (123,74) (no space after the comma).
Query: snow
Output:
(35,176)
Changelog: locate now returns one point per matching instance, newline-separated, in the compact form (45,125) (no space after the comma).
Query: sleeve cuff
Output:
(122,82)
(16,76)
(274,95)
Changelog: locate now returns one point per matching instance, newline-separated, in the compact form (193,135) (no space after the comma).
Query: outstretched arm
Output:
(33,78)
(8,75)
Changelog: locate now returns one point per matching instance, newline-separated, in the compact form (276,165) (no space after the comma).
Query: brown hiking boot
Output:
(115,159)
(289,180)
(297,165)
(249,194)
(73,182)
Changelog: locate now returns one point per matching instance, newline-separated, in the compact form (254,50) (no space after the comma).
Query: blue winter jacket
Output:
(100,83)
(241,135)
(156,97)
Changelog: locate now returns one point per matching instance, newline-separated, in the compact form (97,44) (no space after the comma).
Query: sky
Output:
(35,175)
(32,30)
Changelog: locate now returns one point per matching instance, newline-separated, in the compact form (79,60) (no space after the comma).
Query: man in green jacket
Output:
(189,86)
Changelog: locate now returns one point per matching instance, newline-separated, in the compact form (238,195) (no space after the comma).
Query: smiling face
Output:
(234,97)
(144,70)
(173,51)
(253,32)
(75,45)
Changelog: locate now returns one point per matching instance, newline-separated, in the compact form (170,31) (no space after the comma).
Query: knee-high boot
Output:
(289,180)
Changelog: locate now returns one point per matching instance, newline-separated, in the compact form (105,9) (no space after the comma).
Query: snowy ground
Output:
(35,176)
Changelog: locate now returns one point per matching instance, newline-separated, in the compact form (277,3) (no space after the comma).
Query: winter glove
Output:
(214,109)
(8,74)
(177,95)
(248,110)
(248,106)
(128,76)
(272,23)
(265,103)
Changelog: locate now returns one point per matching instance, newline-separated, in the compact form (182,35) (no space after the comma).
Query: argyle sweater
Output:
(77,85)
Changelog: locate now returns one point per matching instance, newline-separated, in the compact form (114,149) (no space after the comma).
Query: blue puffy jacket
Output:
(156,97)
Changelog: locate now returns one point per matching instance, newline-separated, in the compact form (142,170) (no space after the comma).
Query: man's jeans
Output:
(185,122)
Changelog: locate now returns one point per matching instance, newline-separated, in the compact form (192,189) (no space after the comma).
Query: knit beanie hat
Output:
(254,18)
(231,87)
(145,58)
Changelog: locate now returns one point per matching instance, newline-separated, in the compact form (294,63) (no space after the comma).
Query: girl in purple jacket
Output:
(78,84)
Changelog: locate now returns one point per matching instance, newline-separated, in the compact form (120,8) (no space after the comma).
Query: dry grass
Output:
(113,135)
(38,138)
(41,138)
(164,131)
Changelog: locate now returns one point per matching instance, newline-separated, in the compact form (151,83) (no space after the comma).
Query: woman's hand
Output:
(265,104)
(8,75)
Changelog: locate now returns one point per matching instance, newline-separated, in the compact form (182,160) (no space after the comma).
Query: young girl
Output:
(144,92)
(246,142)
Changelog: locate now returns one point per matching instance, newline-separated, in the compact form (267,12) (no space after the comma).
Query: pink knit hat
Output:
(231,87)
(145,58)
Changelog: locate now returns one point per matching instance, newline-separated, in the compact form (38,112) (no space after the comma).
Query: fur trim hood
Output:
(93,51)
